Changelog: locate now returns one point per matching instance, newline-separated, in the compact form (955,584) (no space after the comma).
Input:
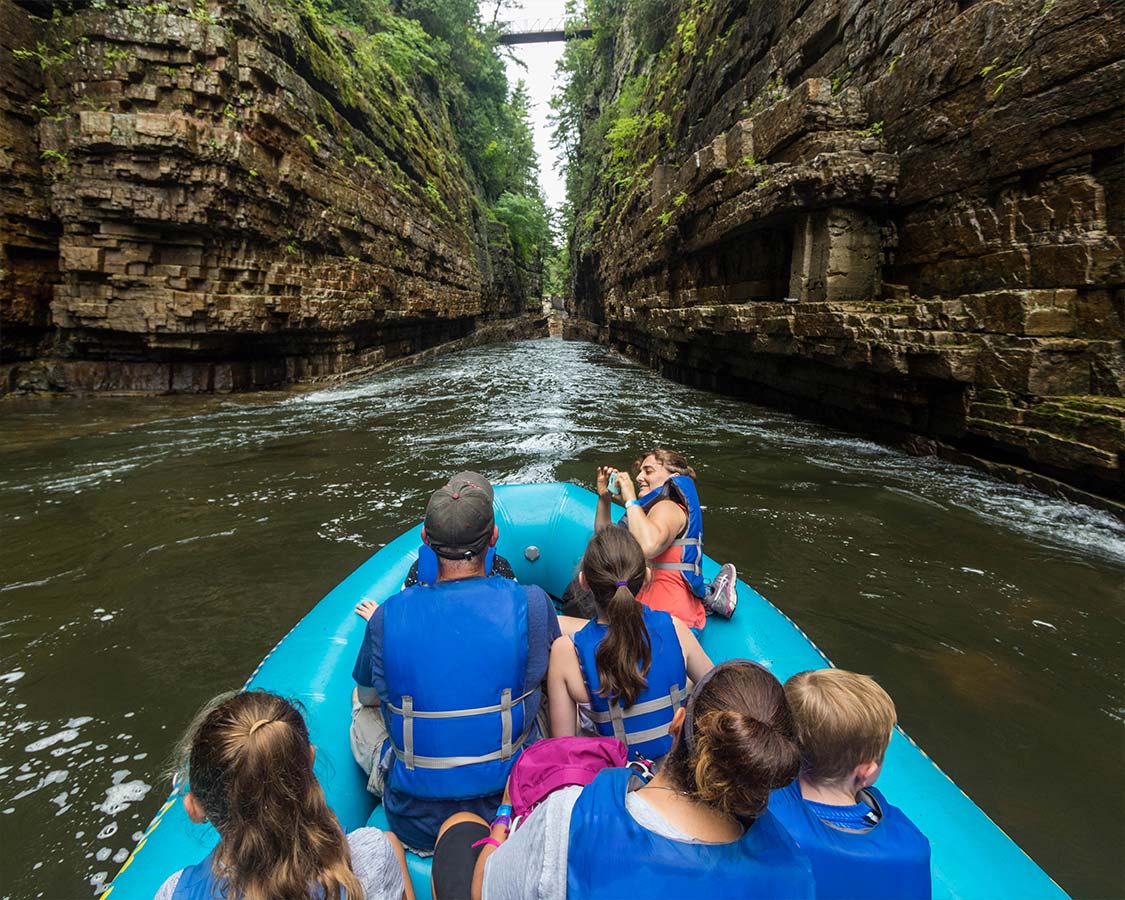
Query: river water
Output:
(154,549)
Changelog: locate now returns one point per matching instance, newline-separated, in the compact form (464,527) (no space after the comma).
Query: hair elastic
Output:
(259,724)
(622,583)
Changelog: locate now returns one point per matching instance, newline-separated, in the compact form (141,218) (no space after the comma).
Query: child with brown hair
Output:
(628,667)
(859,844)
(250,771)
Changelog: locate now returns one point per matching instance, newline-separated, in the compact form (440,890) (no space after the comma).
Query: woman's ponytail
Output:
(614,566)
(738,741)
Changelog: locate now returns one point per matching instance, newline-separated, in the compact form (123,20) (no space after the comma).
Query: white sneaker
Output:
(722,597)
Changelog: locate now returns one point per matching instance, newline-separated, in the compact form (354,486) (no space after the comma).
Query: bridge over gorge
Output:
(542,31)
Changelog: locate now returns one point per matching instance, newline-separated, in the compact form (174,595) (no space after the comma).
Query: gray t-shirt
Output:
(531,863)
(373,861)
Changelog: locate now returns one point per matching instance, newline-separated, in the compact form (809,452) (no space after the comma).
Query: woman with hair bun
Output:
(699,828)
(628,668)
(250,774)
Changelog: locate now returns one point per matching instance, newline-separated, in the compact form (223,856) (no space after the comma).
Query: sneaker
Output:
(722,596)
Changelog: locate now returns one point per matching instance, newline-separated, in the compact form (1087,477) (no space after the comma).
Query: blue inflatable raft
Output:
(972,857)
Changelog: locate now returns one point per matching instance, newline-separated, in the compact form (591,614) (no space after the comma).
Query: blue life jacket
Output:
(611,856)
(889,862)
(198,882)
(681,489)
(457,708)
(644,725)
(428,564)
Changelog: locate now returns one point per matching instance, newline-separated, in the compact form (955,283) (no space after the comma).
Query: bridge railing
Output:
(529,31)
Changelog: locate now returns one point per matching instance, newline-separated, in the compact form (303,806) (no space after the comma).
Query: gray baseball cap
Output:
(459,517)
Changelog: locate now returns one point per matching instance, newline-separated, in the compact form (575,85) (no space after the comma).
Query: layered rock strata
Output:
(205,196)
(902,217)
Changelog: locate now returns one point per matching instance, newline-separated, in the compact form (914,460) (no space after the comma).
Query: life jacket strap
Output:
(679,567)
(649,734)
(507,747)
(672,699)
(693,567)
(616,716)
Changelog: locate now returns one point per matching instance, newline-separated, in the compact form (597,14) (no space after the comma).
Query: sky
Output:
(539,74)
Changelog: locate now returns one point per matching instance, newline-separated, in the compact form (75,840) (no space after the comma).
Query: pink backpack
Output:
(554,763)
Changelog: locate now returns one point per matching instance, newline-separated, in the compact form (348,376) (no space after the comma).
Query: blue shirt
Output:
(416,821)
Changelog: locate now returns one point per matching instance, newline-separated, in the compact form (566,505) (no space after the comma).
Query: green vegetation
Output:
(409,95)
(527,223)
(47,57)
(417,72)
(58,161)
(200,14)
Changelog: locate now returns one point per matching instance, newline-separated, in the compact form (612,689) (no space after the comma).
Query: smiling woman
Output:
(662,511)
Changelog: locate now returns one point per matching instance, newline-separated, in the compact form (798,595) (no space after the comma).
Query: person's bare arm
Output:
(696,660)
(654,528)
(560,703)
(569,625)
(603,516)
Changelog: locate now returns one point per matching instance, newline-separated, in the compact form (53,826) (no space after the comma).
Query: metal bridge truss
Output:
(541,31)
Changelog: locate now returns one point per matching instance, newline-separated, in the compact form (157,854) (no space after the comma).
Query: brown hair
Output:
(674,462)
(250,768)
(738,742)
(624,656)
(843,719)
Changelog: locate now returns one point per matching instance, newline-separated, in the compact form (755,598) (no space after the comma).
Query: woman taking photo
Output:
(250,774)
(628,669)
(662,512)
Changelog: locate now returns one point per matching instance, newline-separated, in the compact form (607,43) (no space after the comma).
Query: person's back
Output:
(628,668)
(858,843)
(459,648)
(449,675)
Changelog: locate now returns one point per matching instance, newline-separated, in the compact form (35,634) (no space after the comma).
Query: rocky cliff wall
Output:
(905,217)
(204,195)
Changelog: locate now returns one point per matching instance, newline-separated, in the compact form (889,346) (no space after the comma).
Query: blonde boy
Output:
(858,843)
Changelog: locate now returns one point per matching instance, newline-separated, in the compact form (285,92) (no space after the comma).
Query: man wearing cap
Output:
(449,676)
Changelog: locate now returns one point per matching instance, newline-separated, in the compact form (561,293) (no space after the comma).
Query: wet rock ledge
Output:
(203,196)
(903,218)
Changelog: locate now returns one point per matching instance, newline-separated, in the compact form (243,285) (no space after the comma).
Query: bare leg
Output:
(455,819)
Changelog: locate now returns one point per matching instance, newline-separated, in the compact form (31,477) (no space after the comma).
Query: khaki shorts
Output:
(368,734)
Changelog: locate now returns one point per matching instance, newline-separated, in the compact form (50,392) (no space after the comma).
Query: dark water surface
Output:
(153,550)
